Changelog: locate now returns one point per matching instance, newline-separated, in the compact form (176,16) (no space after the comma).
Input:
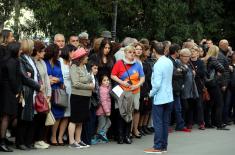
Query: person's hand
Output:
(194,73)
(125,83)
(41,88)
(17,95)
(56,80)
(108,114)
(133,87)
(29,74)
(92,85)
(231,68)
(224,88)
(219,74)
(48,98)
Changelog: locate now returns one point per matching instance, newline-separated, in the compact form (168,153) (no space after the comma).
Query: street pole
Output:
(114,30)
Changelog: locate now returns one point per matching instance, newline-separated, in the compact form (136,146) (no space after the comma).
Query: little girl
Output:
(103,112)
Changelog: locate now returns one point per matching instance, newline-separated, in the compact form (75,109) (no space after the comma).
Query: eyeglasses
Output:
(140,49)
(74,41)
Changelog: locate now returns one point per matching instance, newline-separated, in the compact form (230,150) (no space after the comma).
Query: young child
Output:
(91,124)
(104,110)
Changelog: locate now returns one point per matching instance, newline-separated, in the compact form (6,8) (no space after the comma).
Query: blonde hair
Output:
(27,46)
(129,48)
(185,51)
(213,51)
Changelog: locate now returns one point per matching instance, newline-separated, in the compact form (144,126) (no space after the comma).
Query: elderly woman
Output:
(30,79)
(82,87)
(40,118)
(128,73)
(200,71)
(189,93)
(214,73)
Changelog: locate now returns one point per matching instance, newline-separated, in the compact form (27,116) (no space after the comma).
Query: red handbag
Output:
(41,104)
(206,95)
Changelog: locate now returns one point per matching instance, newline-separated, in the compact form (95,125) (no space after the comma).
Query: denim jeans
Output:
(176,106)
(160,115)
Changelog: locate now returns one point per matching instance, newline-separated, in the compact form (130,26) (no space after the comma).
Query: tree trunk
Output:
(16,19)
(114,29)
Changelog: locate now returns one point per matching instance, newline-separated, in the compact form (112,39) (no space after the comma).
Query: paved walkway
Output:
(209,142)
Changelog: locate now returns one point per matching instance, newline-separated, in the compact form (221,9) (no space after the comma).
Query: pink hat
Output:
(80,52)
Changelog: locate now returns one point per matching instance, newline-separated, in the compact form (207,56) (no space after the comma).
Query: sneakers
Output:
(152,150)
(41,145)
(103,136)
(79,145)
(74,145)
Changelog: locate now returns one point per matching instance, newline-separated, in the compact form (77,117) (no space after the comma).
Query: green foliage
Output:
(6,7)
(174,20)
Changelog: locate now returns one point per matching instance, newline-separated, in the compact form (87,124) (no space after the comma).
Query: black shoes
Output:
(209,126)
(127,140)
(147,130)
(120,140)
(137,136)
(22,147)
(223,128)
(5,148)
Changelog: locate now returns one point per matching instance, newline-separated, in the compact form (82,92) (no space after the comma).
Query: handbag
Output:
(50,120)
(60,98)
(205,95)
(41,104)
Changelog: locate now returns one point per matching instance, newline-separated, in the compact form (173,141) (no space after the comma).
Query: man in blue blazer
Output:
(162,97)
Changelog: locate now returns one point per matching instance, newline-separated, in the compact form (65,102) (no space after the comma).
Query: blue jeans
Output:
(160,116)
(176,106)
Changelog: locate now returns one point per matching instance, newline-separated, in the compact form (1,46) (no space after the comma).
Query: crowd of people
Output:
(77,78)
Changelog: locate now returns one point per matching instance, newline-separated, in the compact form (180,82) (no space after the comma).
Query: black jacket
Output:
(223,60)
(10,86)
(213,66)
(179,73)
(29,86)
(200,70)
(146,87)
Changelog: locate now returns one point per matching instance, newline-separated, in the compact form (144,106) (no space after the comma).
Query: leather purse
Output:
(205,95)
(60,98)
(41,104)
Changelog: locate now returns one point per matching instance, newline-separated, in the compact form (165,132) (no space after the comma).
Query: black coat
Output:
(10,86)
(213,65)
(146,87)
(199,67)
(224,61)
(179,74)
(29,86)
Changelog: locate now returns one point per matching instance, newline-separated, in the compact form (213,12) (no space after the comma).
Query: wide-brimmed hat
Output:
(106,34)
(79,53)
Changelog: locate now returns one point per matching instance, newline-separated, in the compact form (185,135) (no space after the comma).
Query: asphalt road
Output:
(208,142)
